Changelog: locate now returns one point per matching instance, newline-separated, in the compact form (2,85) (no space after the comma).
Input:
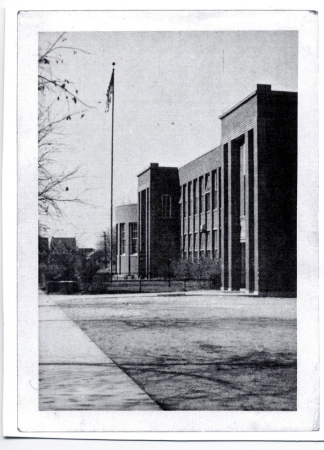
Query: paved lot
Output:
(192,352)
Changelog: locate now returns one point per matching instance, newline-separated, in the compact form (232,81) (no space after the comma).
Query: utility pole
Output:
(105,249)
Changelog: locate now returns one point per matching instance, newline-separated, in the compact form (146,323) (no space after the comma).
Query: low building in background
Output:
(127,240)
(62,258)
(43,260)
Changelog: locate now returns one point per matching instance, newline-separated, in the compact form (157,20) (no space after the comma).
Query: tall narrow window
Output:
(195,242)
(184,248)
(243,188)
(184,200)
(122,239)
(215,243)
(202,242)
(215,190)
(189,199)
(201,195)
(195,197)
(133,237)
(207,241)
(166,206)
(207,192)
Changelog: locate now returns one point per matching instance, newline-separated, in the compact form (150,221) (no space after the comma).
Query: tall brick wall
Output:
(277,167)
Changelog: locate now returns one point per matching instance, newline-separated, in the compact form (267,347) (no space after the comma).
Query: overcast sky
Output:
(170,89)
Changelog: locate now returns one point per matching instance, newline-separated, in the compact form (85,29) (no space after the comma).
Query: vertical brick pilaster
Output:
(247,149)
(220,207)
(250,211)
(148,233)
(224,193)
(229,239)
(256,211)
(234,245)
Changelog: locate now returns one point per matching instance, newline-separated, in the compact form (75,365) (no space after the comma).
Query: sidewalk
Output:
(75,374)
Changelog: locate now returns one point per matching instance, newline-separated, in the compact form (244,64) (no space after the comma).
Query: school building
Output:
(236,203)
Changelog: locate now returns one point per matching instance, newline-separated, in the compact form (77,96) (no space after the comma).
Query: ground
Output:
(194,351)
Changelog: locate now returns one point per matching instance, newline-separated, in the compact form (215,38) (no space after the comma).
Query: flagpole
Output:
(112,172)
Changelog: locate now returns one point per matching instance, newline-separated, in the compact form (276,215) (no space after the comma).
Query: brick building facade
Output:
(237,203)
(158,219)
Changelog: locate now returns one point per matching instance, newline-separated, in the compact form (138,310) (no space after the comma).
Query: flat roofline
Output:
(155,166)
(201,156)
(261,89)
(126,204)
(246,99)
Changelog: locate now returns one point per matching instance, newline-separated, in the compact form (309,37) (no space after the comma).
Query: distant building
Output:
(62,260)
(43,260)
(236,203)
(61,246)
(127,240)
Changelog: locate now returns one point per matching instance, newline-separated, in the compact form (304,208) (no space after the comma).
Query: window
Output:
(215,190)
(195,242)
(243,181)
(133,238)
(207,240)
(207,192)
(122,239)
(201,195)
(184,200)
(166,206)
(195,196)
(215,243)
(202,241)
(184,248)
(189,199)
(190,242)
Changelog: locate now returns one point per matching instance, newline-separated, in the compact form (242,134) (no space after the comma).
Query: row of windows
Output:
(203,193)
(200,242)
(132,238)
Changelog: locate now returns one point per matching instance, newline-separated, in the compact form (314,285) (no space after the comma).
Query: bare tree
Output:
(59,102)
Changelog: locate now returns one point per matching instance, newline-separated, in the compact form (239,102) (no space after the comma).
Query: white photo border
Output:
(146,424)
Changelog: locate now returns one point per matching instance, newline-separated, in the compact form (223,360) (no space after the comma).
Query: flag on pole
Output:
(110,91)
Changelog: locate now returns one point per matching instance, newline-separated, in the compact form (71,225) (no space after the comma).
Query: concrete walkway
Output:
(75,374)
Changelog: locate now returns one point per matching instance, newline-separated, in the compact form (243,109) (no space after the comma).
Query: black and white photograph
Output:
(160,218)
(188,300)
